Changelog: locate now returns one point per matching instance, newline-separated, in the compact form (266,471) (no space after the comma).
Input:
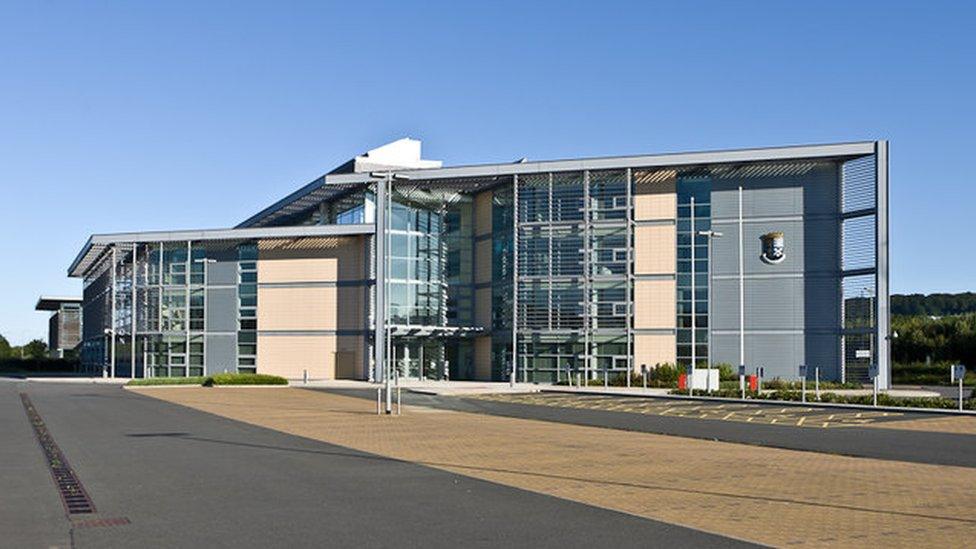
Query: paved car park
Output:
(162,474)
(796,416)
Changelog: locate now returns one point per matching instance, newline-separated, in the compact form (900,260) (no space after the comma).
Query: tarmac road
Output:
(164,475)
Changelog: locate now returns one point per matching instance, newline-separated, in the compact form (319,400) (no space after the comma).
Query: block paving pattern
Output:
(797,416)
(766,495)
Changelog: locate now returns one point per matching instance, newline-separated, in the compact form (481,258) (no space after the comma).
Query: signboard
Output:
(958,372)
(803,370)
(862,353)
(873,371)
(690,369)
(742,370)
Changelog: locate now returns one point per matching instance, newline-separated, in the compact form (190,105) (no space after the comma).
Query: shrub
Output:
(726,372)
(883,399)
(921,373)
(193,380)
(243,379)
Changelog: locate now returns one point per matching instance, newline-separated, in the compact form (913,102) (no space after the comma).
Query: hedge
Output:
(214,380)
(243,379)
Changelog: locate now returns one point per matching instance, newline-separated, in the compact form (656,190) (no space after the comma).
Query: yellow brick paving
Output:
(958,425)
(797,416)
(771,496)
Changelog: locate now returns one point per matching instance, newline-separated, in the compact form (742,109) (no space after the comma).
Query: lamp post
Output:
(710,235)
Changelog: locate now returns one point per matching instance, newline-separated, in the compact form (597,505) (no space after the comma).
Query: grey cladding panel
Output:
(224,271)
(222,309)
(778,354)
(221,353)
(774,304)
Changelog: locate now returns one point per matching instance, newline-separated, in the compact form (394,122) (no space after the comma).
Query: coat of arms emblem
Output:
(773,247)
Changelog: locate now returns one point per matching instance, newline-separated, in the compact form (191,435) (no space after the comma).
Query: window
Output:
(247,294)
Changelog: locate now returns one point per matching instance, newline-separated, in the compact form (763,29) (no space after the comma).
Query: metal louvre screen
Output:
(859,267)
(573,294)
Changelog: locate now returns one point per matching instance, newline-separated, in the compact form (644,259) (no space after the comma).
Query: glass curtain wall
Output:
(694,215)
(574,296)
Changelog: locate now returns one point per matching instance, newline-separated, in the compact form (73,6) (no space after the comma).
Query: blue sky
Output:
(122,116)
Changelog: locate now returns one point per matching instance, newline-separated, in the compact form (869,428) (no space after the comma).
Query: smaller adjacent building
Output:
(64,326)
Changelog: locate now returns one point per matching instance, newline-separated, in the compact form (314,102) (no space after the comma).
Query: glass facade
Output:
(247,306)
(543,264)
(573,288)
(694,216)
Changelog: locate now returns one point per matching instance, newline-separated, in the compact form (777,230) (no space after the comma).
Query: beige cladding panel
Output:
(482,307)
(482,261)
(349,357)
(482,213)
(482,358)
(655,249)
(657,199)
(343,261)
(654,303)
(303,308)
(653,349)
(290,355)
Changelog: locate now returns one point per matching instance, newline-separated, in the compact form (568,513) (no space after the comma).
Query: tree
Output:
(35,349)
(4,348)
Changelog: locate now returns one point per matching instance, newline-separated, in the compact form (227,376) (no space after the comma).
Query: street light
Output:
(710,235)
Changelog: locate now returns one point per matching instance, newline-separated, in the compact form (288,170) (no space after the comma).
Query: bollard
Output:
(816,371)
(803,384)
(398,400)
(305,377)
(379,399)
(606,378)
(742,380)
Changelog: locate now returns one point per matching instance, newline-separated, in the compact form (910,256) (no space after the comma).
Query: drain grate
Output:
(73,494)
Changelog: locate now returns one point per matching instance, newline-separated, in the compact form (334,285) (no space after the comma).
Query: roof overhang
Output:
(99,244)
(332,185)
(53,303)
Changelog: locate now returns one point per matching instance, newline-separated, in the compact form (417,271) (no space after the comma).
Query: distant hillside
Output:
(933,304)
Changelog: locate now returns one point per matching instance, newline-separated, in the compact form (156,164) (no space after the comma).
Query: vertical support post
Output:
(874,392)
(186,319)
(816,381)
(694,298)
(742,286)
(132,308)
(111,329)
(379,287)
(803,386)
(630,277)
(708,333)
(960,389)
(882,328)
(587,351)
(515,289)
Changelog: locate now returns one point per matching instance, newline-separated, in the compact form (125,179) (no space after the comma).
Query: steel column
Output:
(132,308)
(883,329)
(515,289)
(111,320)
(379,261)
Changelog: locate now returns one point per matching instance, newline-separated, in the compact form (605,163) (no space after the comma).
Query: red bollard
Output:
(753,383)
